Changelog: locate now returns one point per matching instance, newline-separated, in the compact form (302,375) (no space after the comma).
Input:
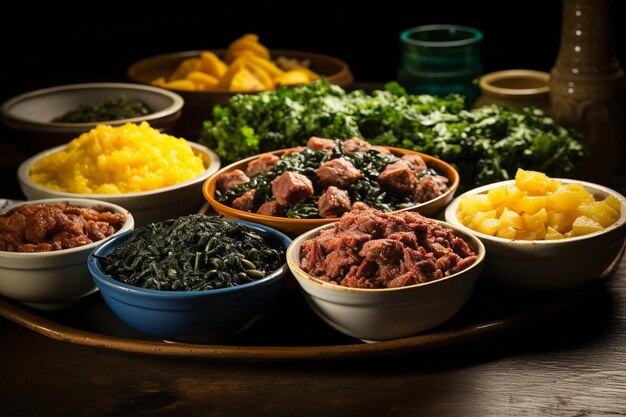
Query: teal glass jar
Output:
(441,59)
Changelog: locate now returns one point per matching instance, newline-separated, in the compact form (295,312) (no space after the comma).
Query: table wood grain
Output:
(570,364)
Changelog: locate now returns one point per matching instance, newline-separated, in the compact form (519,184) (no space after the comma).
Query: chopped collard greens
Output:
(485,145)
(109,108)
(192,253)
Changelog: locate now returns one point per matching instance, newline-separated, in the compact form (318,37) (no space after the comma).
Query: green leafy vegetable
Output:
(366,190)
(107,109)
(485,145)
(192,253)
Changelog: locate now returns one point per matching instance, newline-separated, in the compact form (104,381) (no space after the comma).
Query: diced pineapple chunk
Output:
(509,218)
(533,182)
(507,232)
(614,203)
(600,212)
(480,217)
(552,234)
(564,199)
(530,204)
(583,225)
(488,226)
(474,203)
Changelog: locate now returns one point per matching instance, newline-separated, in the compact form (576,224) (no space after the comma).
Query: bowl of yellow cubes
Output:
(543,233)
(205,78)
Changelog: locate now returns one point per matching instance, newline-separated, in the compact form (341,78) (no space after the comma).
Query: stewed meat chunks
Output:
(327,177)
(334,202)
(291,188)
(397,177)
(261,165)
(230,180)
(337,172)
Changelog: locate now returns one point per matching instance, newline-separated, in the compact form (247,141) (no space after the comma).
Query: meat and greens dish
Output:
(325,178)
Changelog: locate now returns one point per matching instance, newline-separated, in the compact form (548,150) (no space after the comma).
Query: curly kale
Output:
(486,144)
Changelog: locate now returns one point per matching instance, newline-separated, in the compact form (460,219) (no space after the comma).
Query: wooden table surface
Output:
(572,363)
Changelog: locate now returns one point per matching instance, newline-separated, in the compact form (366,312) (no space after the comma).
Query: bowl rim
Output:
(98,274)
(176,105)
(23,174)
(450,215)
(128,225)
(299,273)
(208,188)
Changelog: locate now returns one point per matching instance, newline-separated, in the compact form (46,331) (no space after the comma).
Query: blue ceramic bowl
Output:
(190,316)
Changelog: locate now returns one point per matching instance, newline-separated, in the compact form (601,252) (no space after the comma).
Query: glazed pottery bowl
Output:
(517,88)
(387,313)
(146,206)
(198,105)
(294,227)
(544,265)
(31,113)
(190,316)
(56,279)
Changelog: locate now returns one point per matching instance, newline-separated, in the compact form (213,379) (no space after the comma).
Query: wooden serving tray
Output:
(292,332)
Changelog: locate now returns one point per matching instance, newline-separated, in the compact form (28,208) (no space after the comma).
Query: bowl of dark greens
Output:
(192,279)
(53,116)
(298,189)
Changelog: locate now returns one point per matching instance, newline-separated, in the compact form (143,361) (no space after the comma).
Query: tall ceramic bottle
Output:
(587,85)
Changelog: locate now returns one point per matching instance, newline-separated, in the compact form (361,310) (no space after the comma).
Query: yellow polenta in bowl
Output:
(154,175)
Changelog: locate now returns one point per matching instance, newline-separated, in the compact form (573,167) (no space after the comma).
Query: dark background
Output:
(44,48)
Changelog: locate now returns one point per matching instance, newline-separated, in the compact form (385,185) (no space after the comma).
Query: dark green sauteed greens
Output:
(109,108)
(485,145)
(192,253)
(366,190)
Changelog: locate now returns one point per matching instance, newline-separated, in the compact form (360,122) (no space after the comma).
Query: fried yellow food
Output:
(247,67)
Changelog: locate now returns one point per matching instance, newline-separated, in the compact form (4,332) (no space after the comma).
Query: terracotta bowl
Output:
(294,227)
(198,105)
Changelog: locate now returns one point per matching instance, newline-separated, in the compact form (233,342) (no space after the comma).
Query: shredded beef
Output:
(370,249)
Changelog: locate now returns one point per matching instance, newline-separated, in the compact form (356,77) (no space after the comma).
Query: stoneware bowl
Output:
(543,265)
(517,88)
(294,227)
(198,105)
(146,206)
(57,279)
(388,313)
(190,316)
(31,113)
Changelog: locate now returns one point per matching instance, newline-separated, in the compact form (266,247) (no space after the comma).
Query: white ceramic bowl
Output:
(32,113)
(56,279)
(388,313)
(548,264)
(146,206)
